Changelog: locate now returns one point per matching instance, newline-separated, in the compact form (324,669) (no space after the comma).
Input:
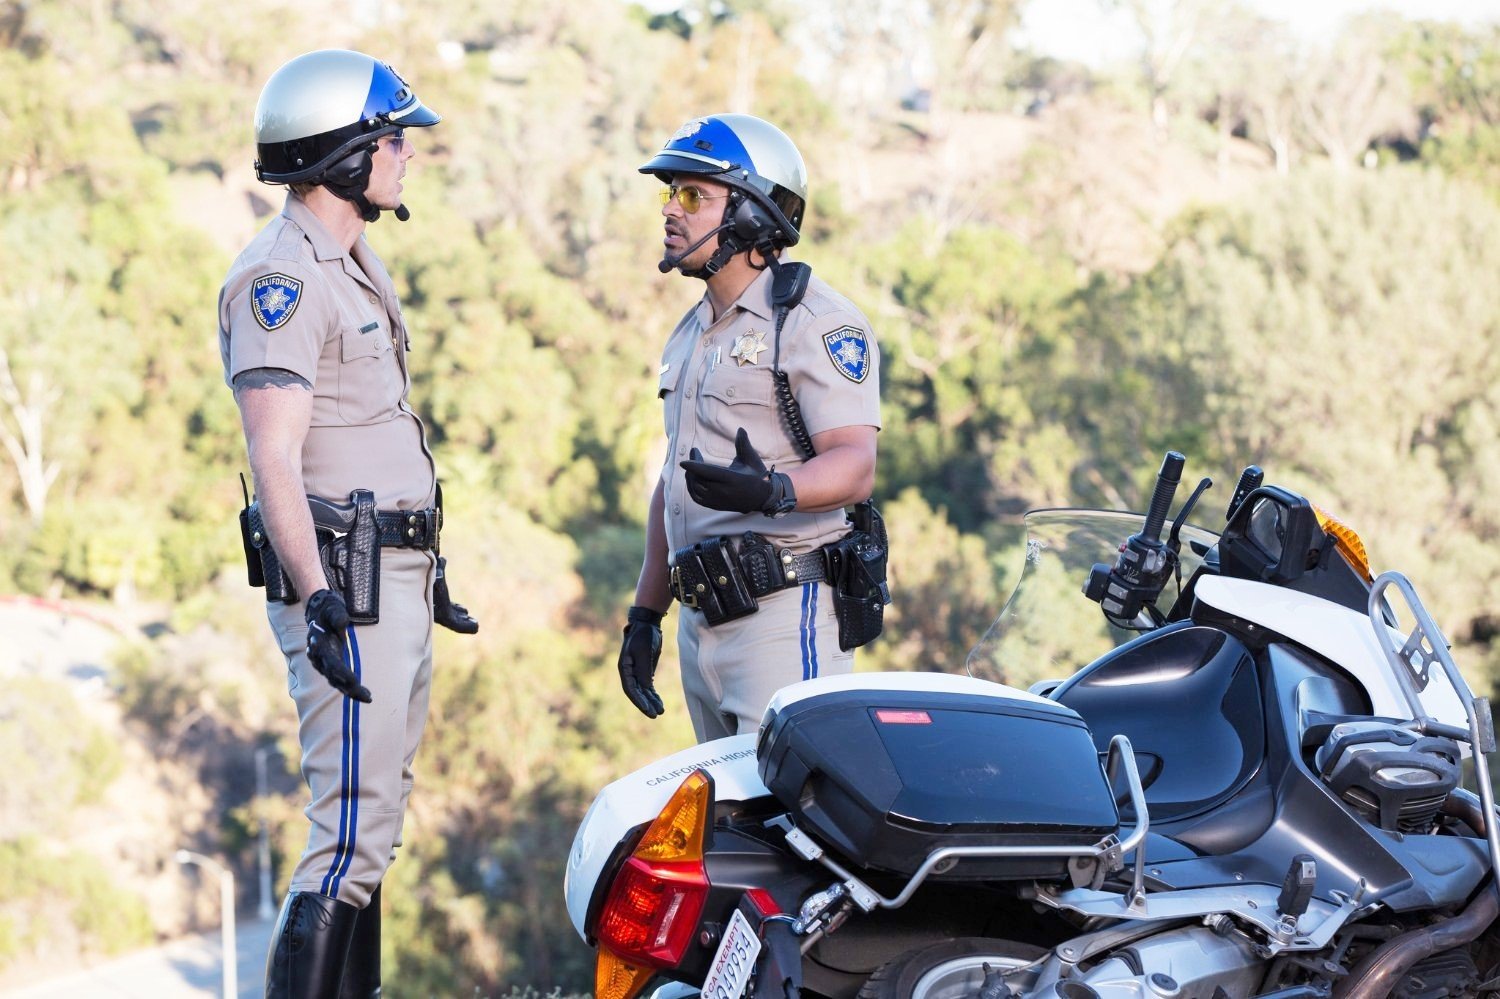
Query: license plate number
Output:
(734,962)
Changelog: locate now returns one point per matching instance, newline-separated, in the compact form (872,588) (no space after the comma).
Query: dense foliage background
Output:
(1249,246)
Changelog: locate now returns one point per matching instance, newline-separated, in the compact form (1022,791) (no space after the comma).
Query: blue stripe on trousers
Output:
(349,790)
(809,631)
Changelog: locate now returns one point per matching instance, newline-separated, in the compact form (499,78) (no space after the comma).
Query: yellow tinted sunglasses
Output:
(690,198)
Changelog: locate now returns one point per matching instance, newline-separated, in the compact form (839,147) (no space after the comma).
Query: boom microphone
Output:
(401,213)
(671,260)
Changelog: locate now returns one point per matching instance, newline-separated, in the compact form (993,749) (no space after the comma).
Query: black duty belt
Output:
(394,528)
(723,576)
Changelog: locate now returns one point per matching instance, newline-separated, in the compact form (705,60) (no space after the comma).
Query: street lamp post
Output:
(263,910)
(226,917)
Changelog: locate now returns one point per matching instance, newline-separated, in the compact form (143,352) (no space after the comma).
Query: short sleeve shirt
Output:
(716,377)
(297,301)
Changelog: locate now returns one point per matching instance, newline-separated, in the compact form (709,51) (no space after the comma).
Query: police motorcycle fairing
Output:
(1257,795)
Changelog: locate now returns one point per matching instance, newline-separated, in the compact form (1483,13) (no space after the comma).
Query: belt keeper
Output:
(413,528)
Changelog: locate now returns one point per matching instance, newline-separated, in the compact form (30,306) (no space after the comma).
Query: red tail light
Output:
(652,911)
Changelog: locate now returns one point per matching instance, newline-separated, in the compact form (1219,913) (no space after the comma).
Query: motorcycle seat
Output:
(1188,698)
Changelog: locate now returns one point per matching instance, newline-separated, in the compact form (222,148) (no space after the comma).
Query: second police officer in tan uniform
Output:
(758,611)
(345,528)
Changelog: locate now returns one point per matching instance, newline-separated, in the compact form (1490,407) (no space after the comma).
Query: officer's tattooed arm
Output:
(276,410)
(269,377)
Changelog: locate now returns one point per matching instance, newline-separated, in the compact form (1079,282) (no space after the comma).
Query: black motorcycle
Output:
(1253,789)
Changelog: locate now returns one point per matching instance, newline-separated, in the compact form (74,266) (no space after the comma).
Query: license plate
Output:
(734,962)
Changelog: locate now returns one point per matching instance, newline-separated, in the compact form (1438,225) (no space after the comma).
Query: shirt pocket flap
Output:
(362,341)
(739,388)
(733,399)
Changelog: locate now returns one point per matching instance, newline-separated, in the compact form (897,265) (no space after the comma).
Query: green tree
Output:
(1290,334)
(972,347)
(1454,73)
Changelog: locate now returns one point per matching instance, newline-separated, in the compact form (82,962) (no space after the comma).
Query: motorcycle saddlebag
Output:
(886,776)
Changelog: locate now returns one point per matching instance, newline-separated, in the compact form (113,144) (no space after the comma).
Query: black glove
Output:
(638,655)
(745,486)
(454,617)
(327,621)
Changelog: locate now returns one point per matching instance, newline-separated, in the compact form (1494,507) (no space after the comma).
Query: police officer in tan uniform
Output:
(314,347)
(735,195)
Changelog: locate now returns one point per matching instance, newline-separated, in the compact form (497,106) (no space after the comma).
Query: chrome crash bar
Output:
(1412,661)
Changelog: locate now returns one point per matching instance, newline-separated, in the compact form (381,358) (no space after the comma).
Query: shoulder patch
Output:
(849,351)
(274,298)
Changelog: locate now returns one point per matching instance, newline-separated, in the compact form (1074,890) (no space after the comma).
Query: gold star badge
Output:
(748,347)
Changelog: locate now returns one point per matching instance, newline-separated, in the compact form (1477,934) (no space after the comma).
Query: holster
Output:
(349,547)
(261,564)
(857,570)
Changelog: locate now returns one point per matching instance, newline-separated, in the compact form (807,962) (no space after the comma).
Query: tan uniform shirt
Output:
(295,300)
(716,377)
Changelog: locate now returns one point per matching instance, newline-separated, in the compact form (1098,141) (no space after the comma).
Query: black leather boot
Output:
(362,970)
(309,947)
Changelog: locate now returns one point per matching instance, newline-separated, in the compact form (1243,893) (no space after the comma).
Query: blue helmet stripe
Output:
(384,86)
(725,145)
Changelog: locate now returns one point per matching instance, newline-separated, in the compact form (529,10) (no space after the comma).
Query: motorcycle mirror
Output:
(1274,537)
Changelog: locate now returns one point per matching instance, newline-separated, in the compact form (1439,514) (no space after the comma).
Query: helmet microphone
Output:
(348,178)
(671,260)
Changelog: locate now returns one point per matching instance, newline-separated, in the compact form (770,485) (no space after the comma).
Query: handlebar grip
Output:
(1161,497)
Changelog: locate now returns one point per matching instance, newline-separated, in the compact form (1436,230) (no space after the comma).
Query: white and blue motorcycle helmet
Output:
(323,107)
(748,154)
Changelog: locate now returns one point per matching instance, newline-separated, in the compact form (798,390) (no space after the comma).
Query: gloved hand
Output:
(454,617)
(638,654)
(744,486)
(327,622)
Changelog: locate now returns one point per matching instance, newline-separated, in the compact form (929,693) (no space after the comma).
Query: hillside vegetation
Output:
(1248,248)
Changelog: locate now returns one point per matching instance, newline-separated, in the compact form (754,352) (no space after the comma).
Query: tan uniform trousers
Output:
(730,671)
(357,758)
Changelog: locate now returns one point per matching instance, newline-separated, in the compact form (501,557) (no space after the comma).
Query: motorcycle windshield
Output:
(1048,630)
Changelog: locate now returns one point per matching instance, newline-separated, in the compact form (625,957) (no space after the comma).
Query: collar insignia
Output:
(849,351)
(748,347)
(273,299)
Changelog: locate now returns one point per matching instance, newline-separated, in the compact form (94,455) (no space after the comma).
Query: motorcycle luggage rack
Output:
(1412,661)
(1110,851)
